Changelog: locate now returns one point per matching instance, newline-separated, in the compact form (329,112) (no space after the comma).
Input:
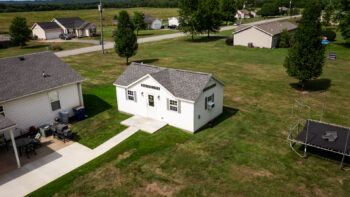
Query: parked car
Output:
(65,37)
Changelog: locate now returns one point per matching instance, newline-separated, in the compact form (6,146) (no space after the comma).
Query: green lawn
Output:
(36,46)
(245,154)
(91,15)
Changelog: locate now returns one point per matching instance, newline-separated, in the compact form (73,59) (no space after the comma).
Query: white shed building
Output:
(46,30)
(266,35)
(36,87)
(153,23)
(184,99)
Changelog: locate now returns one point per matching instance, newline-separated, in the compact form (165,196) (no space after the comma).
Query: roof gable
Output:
(23,75)
(181,83)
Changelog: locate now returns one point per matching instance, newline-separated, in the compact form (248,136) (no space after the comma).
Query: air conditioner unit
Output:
(211,105)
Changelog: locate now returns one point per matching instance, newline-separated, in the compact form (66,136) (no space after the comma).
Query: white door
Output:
(52,35)
(151,106)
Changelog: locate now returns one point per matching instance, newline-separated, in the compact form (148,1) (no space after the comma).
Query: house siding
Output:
(255,36)
(183,120)
(35,110)
(205,114)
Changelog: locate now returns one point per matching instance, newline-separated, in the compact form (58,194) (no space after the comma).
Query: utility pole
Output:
(101,24)
(290,8)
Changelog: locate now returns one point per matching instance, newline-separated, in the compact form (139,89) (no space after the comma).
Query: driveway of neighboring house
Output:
(109,45)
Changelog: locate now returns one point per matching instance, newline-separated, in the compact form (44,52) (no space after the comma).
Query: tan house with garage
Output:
(46,30)
(76,27)
(266,35)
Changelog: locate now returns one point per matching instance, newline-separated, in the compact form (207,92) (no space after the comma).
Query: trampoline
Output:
(319,135)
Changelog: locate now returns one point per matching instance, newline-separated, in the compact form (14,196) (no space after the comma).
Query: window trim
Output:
(130,95)
(173,105)
(53,101)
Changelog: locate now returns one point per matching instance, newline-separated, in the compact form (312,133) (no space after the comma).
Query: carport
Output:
(8,125)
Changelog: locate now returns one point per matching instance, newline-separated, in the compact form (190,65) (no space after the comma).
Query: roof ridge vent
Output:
(45,74)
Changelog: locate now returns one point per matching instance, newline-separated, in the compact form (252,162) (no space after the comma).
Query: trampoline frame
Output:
(296,126)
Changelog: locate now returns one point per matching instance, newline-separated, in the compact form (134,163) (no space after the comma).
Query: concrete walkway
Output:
(36,174)
(109,45)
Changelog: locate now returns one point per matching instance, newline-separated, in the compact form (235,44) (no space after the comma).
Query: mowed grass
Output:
(245,154)
(91,15)
(36,46)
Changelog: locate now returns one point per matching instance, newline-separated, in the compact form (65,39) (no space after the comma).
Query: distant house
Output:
(184,99)
(254,14)
(114,21)
(242,14)
(46,30)
(153,23)
(5,40)
(36,87)
(75,26)
(266,35)
(283,9)
(173,21)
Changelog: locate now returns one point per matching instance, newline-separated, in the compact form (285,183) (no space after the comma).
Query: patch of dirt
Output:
(237,98)
(125,155)
(247,171)
(156,189)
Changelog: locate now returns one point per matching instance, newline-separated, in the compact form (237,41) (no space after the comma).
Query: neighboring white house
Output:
(184,99)
(266,35)
(153,23)
(173,21)
(254,14)
(46,30)
(242,14)
(75,26)
(36,87)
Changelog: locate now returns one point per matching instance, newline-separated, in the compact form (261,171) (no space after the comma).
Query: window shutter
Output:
(206,103)
(126,94)
(179,106)
(213,97)
(167,104)
(135,99)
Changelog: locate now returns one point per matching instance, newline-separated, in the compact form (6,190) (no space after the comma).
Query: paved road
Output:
(109,45)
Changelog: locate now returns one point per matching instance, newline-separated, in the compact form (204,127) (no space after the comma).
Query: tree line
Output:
(30,7)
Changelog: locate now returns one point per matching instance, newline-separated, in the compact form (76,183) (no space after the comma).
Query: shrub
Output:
(55,47)
(329,34)
(285,41)
(229,41)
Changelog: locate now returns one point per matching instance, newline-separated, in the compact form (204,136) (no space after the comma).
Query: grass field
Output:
(89,15)
(36,46)
(245,154)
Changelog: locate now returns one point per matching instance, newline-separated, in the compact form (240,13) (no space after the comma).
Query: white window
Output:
(173,105)
(54,100)
(209,102)
(2,111)
(131,95)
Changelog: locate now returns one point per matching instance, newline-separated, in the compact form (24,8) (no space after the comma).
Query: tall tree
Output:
(187,19)
(328,13)
(139,22)
(228,10)
(344,27)
(19,31)
(269,9)
(208,16)
(305,58)
(125,39)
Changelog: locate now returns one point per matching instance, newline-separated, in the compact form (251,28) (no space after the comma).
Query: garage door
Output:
(52,35)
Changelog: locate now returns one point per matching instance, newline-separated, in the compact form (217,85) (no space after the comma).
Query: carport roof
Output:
(5,123)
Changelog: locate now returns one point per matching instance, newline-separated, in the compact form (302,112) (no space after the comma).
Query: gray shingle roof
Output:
(19,78)
(5,123)
(181,83)
(48,25)
(272,28)
(72,23)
